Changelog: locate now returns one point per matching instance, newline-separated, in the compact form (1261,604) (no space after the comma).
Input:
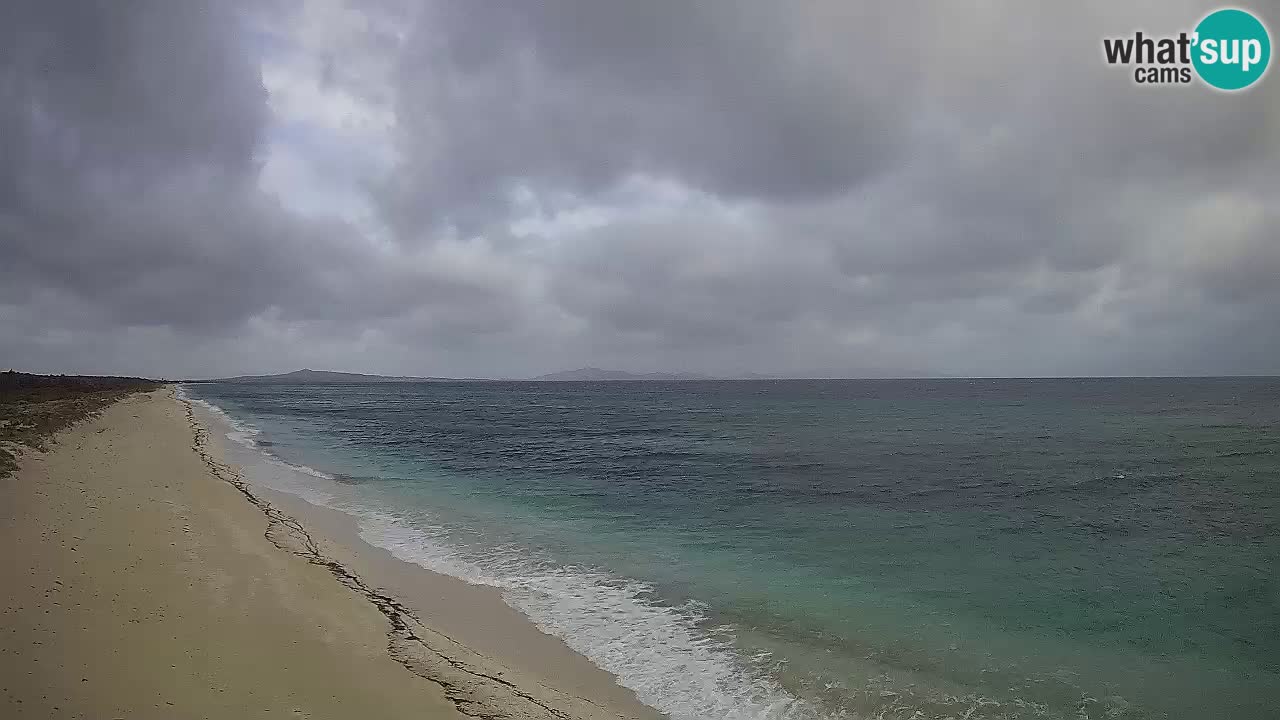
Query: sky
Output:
(503,188)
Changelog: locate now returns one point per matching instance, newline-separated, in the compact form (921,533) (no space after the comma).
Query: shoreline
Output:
(148,578)
(456,633)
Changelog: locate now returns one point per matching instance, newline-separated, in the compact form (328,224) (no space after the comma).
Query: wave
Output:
(248,436)
(672,657)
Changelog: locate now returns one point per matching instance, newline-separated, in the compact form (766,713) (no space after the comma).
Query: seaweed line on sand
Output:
(474,691)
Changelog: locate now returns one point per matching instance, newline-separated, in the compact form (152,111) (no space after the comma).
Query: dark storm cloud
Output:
(132,133)
(932,157)
(129,89)
(785,102)
(129,132)
(804,187)
(576,96)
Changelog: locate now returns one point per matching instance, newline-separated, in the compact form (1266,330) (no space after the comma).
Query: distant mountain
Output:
(597,375)
(306,375)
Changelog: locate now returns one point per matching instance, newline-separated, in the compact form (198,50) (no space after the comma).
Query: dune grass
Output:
(33,408)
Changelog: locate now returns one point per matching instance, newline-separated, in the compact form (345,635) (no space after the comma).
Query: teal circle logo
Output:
(1232,49)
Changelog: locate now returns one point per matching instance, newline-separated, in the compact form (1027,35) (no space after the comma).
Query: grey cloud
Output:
(785,187)
(134,131)
(782,102)
(116,119)
(79,77)
(578,95)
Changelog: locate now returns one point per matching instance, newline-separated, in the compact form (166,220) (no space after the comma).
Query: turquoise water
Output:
(796,549)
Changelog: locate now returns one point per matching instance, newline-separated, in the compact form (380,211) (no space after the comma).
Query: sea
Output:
(798,549)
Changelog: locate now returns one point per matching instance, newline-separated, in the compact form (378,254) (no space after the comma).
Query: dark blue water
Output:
(1002,548)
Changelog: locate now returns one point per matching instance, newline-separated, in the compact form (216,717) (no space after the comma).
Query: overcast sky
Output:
(507,188)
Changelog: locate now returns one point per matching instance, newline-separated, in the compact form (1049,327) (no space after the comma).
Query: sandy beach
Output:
(143,578)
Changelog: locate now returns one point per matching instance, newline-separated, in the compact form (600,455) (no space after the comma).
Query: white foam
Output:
(242,433)
(246,435)
(669,656)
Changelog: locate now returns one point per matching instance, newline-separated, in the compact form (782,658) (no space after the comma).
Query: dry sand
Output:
(142,578)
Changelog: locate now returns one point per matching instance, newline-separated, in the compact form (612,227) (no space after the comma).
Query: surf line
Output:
(474,691)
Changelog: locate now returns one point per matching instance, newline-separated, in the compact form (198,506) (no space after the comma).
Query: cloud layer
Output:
(508,188)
